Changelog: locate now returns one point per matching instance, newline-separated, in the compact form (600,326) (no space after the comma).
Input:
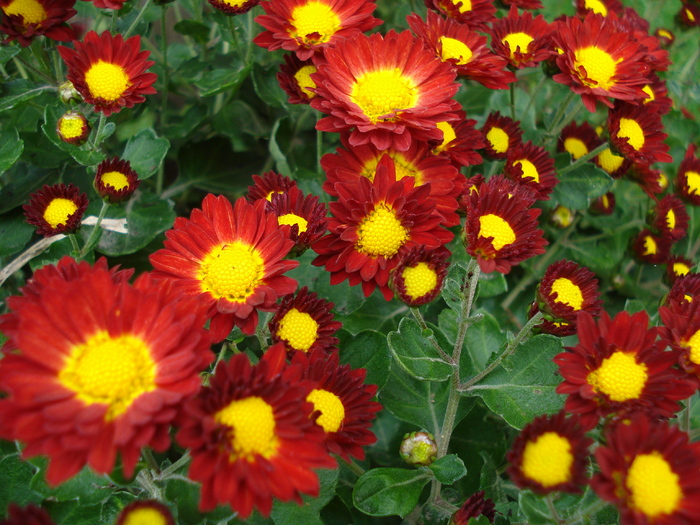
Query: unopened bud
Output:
(68,94)
(418,448)
(73,128)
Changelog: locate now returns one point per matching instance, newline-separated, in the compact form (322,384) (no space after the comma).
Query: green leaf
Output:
(224,79)
(7,52)
(268,88)
(581,185)
(526,389)
(196,30)
(483,339)
(481,520)
(292,513)
(146,152)
(83,154)
(491,284)
(415,353)
(449,469)
(17,183)
(367,350)
(89,487)
(276,152)
(17,91)
(388,491)
(15,475)
(14,233)
(452,291)
(534,508)
(11,147)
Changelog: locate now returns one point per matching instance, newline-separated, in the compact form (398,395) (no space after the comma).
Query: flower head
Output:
(614,165)
(651,248)
(146,511)
(682,321)
(657,95)
(521,39)
(295,78)
(24,20)
(29,515)
(476,505)
(578,139)
(234,7)
(669,218)
(269,184)
(635,132)
(683,293)
(72,127)
(602,7)
(115,181)
(689,15)
(502,135)
(603,205)
(56,209)
(688,178)
(532,167)
(665,36)
(476,14)
(653,182)
(109,72)
(303,216)
(418,448)
(459,141)
(419,276)
(678,266)
(231,258)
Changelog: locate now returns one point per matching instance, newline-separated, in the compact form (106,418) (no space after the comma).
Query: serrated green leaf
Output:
(11,147)
(578,187)
(367,350)
(416,354)
(89,487)
(452,289)
(224,79)
(15,475)
(7,52)
(534,508)
(389,491)
(145,152)
(17,91)
(15,233)
(19,182)
(448,469)
(309,512)
(483,339)
(268,88)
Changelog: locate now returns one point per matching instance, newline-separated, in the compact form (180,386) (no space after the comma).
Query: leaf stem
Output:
(138,18)
(354,467)
(584,158)
(95,233)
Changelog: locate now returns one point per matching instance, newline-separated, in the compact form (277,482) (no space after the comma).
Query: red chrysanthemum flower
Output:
(231,258)
(578,139)
(464,48)
(374,224)
(307,27)
(304,322)
(657,96)
(269,184)
(501,229)
(599,61)
(532,167)
(683,293)
(146,511)
(252,437)
(234,7)
(565,290)
(110,382)
(29,515)
(344,402)
(635,132)
(24,20)
(603,205)
(614,165)
(115,181)
(446,183)
(477,14)
(669,218)
(56,209)
(304,217)
(689,15)
(653,182)
(109,72)
(665,36)
(602,7)
(530,5)
(650,248)
(682,320)
(678,266)
(389,90)
(688,178)
(650,471)
(619,366)
(73,128)
(521,39)
(459,141)
(475,505)
(295,78)
(502,135)
(550,454)
(418,278)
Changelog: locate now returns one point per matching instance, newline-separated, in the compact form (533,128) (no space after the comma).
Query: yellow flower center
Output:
(381,94)
(498,228)
(650,247)
(693,181)
(403,166)
(331,408)
(298,329)
(381,233)
(576,147)
(596,6)
(599,65)
(680,269)
(517,42)
(253,428)
(59,211)
(619,376)
(606,201)
(693,344)
(145,516)
(314,22)
(609,161)
(232,271)
(448,135)
(650,93)
(671,219)
(466,5)
(419,280)
(291,219)
(689,14)
(653,485)
(269,196)
(70,126)
(563,216)
(453,49)
(31,10)
(115,179)
(662,180)
(632,131)
(568,293)
(106,80)
(548,459)
(235,3)
(666,34)
(303,78)
(529,169)
(109,370)
(499,140)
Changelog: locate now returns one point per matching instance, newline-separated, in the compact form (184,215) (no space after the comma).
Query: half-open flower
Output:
(651,248)
(682,321)
(635,132)
(418,278)
(603,205)
(521,39)
(24,20)
(477,14)
(502,135)
(669,218)
(295,78)
(678,266)
(602,7)
(578,139)
(56,209)
(532,167)
(115,181)
(459,141)
(267,185)
(688,178)
(234,7)
(302,215)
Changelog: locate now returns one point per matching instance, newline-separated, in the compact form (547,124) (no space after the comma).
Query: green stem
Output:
(552,509)
(543,78)
(424,326)
(113,22)
(95,233)
(473,273)
(249,25)
(354,467)
(166,78)
(319,146)
(98,132)
(150,460)
(689,66)
(74,242)
(585,158)
(561,111)
(23,65)
(167,472)
(138,18)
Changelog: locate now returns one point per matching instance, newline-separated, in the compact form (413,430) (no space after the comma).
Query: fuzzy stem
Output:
(585,158)
(95,233)
(137,19)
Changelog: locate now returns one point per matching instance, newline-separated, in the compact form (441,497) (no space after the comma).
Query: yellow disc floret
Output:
(693,181)
(671,219)
(576,147)
(59,211)
(314,18)
(331,408)
(650,93)
(298,329)
(291,219)
(419,280)
(517,42)
(304,80)
(609,161)
(106,80)
(650,247)
(453,49)
(498,228)
(71,127)
(448,135)
(466,5)
(381,233)
(31,10)
(567,293)
(232,271)
(693,345)
(109,370)
(235,3)
(620,377)
(599,65)
(680,269)
(499,140)
(654,487)
(632,131)
(252,423)
(548,459)
(596,6)
(115,179)
(529,169)
(381,94)
(145,516)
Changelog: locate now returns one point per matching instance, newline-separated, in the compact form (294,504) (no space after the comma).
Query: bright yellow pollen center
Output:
(694,344)
(31,10)
(693,181)
(298,329)
(381,233)
(632,131)
(498,228)
(680,269)
(576,147)
(517,42)
(671,219)
(568,293)
(303,78)
(253,428)
(109,370)
(466,5)
(650,247)
(115,179)
(499,140)
(654,487)
(596,6)
(404,167)
(314,22)
(529,169)
(145,516)
(609,161)
(666,34)
(448,135)
(291,219)
(106,80)
(70,127)
(58,211)
(662,180)
(232,271)
(453,49)
(620,377)
(650,93)
(381,94)
(269,196)
(599,65)
(331,408)
(689,14)
(419,280)
(548,459)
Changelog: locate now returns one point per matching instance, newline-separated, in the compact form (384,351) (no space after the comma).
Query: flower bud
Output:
(418,448)
(68,94)
(562,217)
(115,181)
(73,128)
